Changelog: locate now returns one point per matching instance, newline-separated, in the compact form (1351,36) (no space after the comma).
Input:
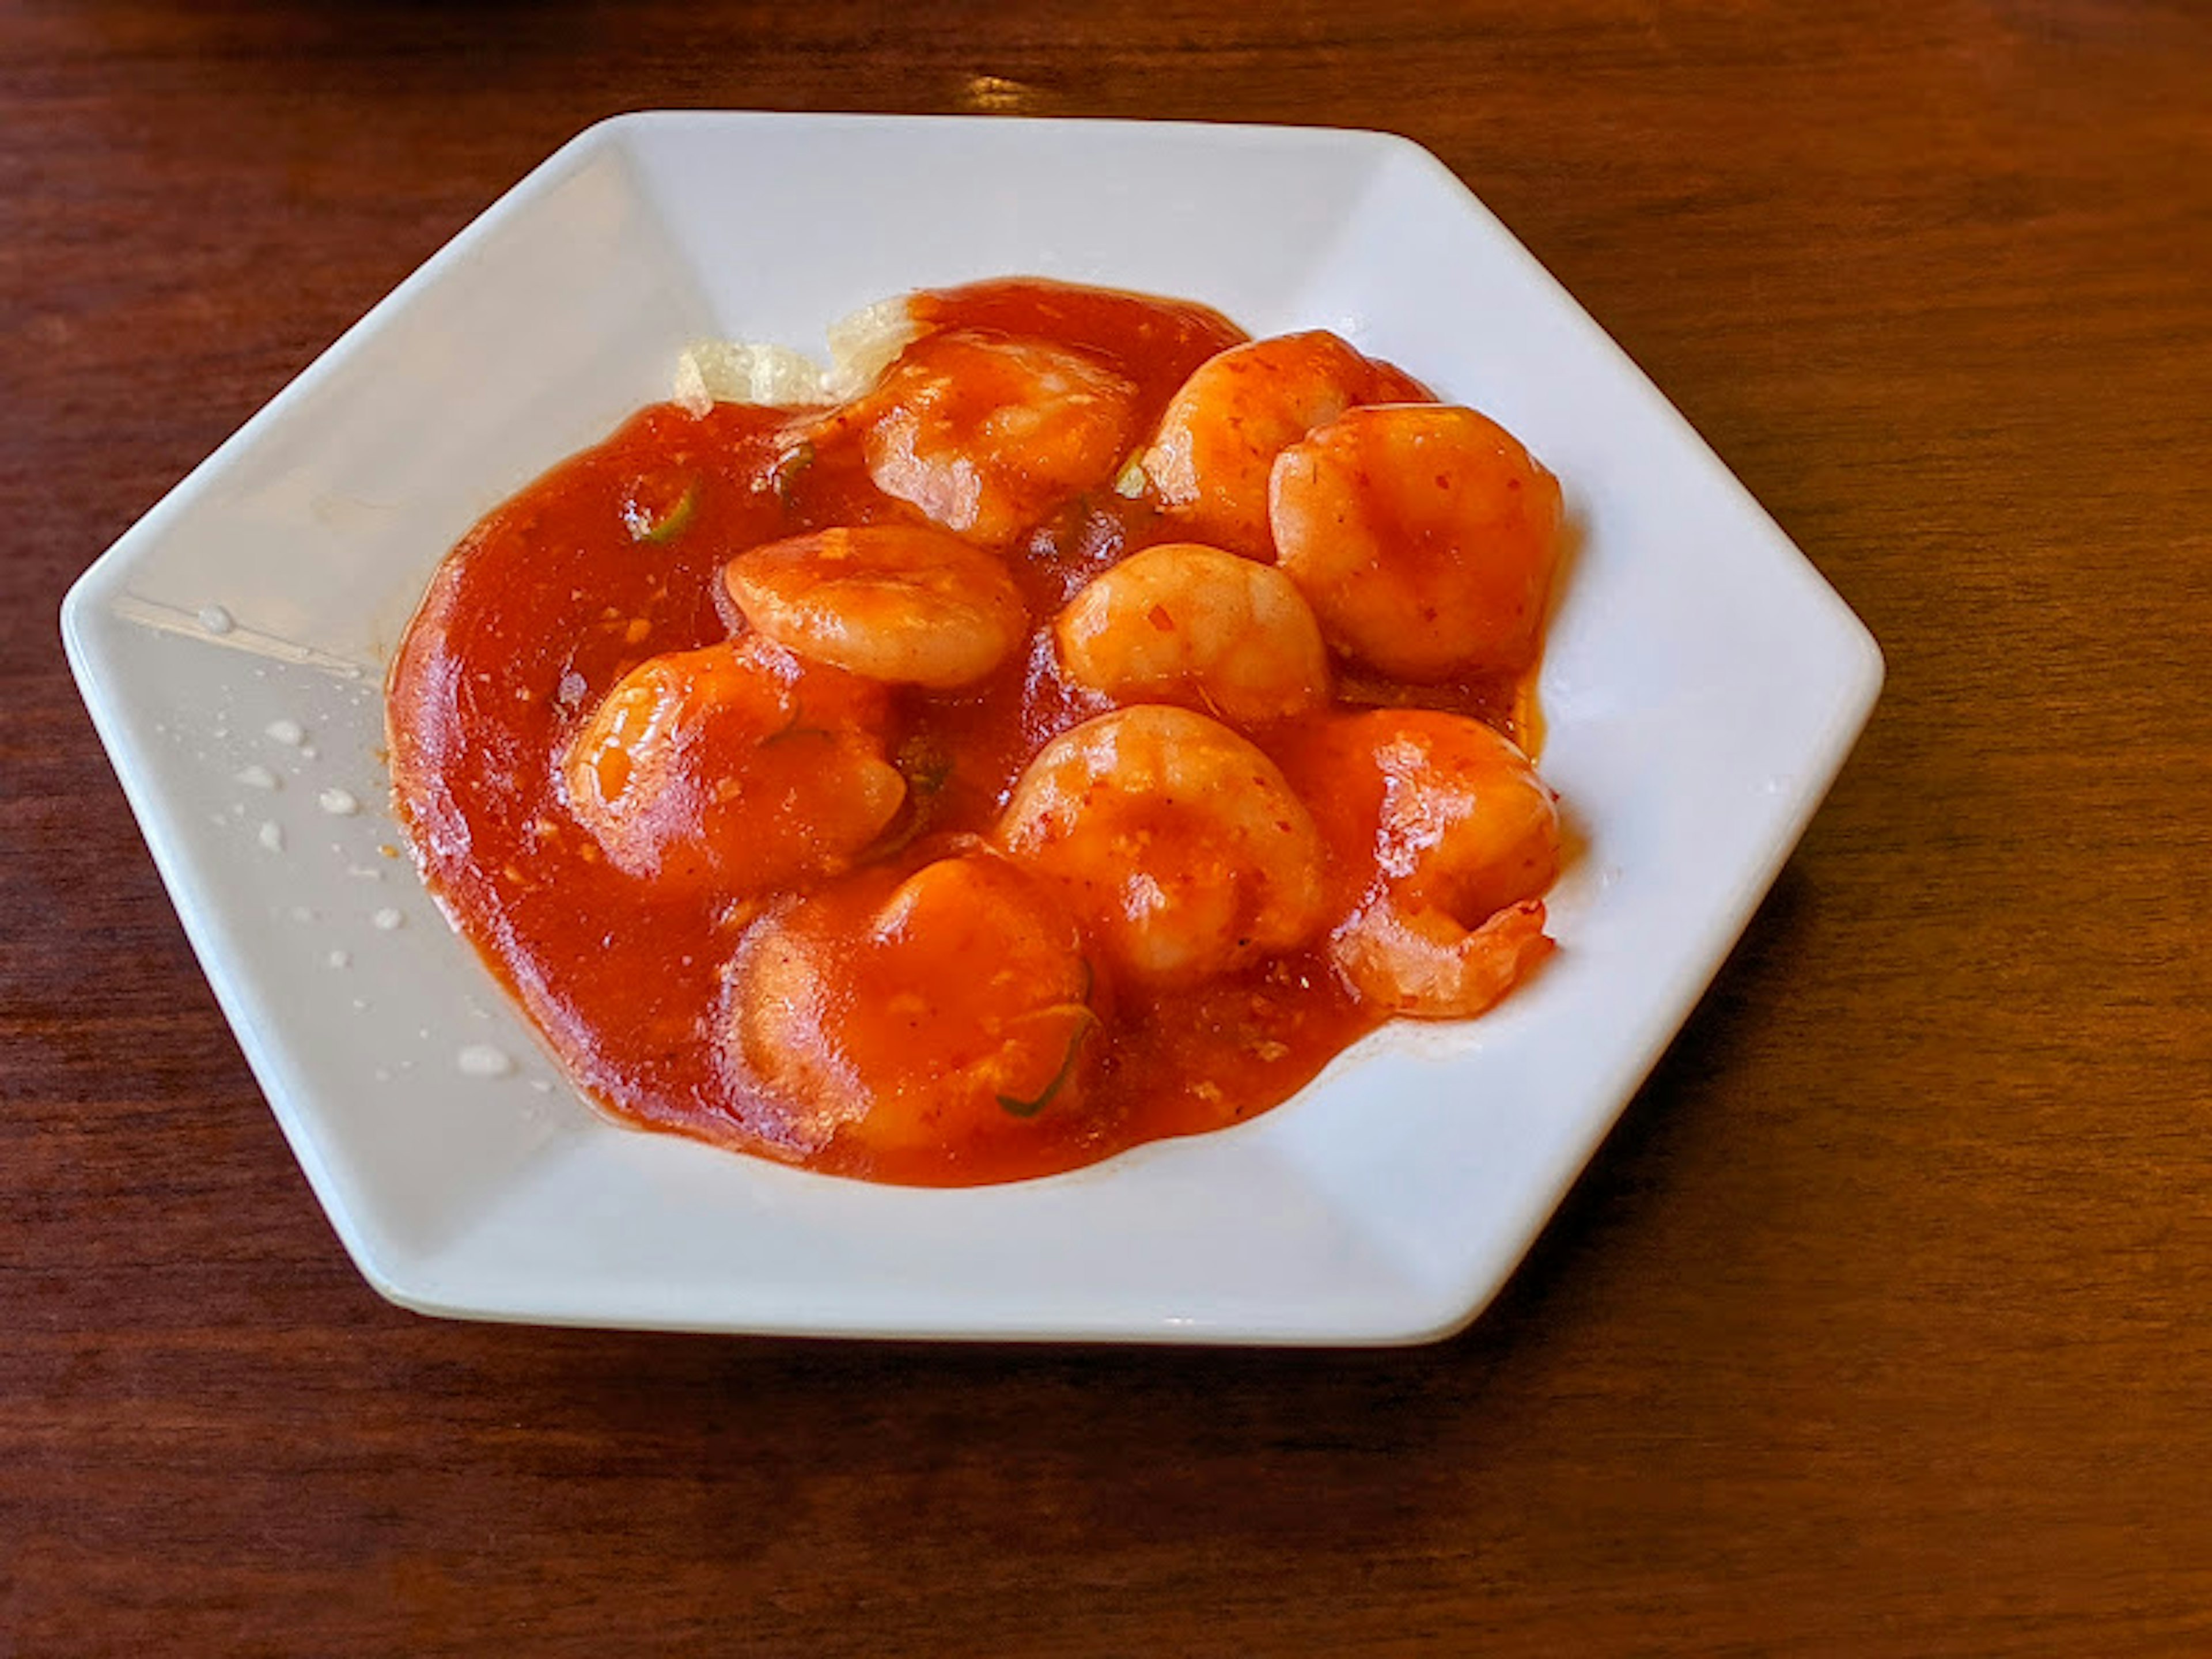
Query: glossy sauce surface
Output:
(615,557)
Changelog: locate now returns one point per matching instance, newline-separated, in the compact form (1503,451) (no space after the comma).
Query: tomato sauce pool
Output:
(614,557)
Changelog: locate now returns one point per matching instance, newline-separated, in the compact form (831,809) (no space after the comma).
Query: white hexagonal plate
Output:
(1702,686)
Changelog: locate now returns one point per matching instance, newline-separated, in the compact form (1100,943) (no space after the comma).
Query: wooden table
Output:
(1882,1325)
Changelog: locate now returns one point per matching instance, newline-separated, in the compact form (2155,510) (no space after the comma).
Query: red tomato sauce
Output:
(613,557)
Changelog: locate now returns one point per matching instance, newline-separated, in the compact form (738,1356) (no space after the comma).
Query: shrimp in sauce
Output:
(1189,623)
(1178,844)
(916,1015)
(1210,459)
(1459,838)
(984,433)
(735,765)
(916,790)
(1425,537)
(902,604)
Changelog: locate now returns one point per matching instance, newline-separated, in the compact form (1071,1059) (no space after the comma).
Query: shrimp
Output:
(1178,845)
(1208,462)
(736,767)
(1423,965)
(985,433)
(1424,536)
(898,602)
(929,1014)
(1461,838)
(1186,623)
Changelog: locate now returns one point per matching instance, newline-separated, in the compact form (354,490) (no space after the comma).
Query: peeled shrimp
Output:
(1424,536)
(949,1009)
(735,766)
(1185,623)
(986,433)
(1423,965)
(1464,837)
(898,602)
(1221,432)
(1178,845)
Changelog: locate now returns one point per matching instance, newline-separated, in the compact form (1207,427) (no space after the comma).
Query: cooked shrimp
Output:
(1463,838)
(736,766)
(899,603)
(1424,536)
(1178,845)
(1222,431)
(1185,623)
(1423,965)
(986,433)
(948,1009)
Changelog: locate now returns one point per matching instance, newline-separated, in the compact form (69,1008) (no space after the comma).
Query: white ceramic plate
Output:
(1702,686)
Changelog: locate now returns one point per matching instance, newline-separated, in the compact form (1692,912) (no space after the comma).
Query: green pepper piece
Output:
(646,524)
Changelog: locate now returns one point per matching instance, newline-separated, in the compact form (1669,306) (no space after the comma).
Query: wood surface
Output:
(1882,1325)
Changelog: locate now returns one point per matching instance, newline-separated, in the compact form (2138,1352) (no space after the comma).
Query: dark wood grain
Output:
(1882,1325)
